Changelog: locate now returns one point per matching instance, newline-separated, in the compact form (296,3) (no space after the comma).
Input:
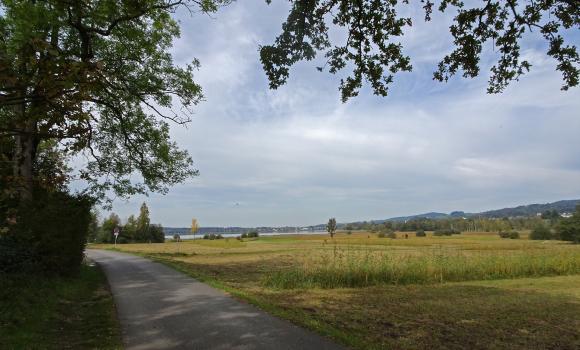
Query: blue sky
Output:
(297,155)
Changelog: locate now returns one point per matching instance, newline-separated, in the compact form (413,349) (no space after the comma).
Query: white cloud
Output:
(297,155)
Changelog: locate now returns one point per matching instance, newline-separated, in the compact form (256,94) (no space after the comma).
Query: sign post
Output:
(116,233)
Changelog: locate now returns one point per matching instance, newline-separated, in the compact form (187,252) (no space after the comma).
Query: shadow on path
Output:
(160,308)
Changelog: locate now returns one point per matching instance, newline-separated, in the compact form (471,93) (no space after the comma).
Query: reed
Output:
(340,267)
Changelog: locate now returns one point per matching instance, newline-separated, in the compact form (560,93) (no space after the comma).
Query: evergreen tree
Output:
(142,225)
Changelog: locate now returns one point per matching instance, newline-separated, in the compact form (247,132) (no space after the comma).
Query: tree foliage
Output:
(136,230)
(331,227)
(96,78)
(373,52)
(541,233)
(568,229)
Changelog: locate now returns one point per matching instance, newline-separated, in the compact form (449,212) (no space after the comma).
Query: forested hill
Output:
(564,206)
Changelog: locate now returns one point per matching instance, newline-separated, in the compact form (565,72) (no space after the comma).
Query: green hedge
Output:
(49,235)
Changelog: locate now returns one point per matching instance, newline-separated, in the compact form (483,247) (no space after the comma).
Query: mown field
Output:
(473,290)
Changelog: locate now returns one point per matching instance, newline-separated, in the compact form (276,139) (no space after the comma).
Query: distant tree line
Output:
(459,224)
(136,230)
(556,227)
(548,225)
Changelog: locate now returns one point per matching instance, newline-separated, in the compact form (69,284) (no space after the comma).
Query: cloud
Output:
(297,155)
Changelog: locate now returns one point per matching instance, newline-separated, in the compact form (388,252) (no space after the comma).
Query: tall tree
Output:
(194,226)
(372,48)
(97,78)
(331,227)
(108,227)
(130,231)
(142,224)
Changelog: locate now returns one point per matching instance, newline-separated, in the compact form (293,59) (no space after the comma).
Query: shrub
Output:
(253,234)
(206,236)
(420,233)
(509,234)
(155,234)
(541,233)
(392,235)
(446,232)
(349,232)
(49,235)
(244,235)
(381,235)
(177,237)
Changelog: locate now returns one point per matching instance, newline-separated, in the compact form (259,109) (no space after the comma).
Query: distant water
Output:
(234,235)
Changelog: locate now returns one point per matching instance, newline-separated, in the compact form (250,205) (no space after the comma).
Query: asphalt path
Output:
(161,308)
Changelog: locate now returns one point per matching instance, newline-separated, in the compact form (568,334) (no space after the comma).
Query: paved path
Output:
(161,308)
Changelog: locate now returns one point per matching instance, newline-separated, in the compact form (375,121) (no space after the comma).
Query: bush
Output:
(509,234)
(213,236)
(420,233)
(244,235)
(253,234)
(392,235)
(541,233)
(49,235)
(155,234)
(381,235)
(446,232)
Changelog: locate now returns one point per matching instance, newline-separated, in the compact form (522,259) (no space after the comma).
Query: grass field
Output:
(472,290)
(58,313)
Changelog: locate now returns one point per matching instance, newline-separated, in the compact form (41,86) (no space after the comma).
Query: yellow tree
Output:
(194,227)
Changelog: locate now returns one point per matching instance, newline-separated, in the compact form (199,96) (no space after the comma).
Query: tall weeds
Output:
(341,267)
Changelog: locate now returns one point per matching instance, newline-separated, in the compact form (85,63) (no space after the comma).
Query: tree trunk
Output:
(24,156)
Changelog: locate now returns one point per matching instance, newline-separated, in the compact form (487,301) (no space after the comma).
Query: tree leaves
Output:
(373,53)
(96,77)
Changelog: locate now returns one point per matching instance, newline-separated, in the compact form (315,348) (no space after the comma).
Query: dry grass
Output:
(520,313)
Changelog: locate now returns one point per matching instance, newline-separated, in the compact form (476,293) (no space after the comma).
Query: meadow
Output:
(473,290)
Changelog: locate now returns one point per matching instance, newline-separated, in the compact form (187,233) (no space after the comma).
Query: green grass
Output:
(58,313)
(525,313)
(347,268)
(388,293)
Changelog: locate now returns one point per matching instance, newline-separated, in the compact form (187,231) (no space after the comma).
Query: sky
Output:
(298,155)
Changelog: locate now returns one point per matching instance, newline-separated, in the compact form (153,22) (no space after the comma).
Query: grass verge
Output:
(58,313)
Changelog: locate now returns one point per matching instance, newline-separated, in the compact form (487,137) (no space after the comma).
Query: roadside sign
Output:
(116,233)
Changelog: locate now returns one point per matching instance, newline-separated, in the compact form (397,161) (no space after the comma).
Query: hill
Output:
(563,206)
